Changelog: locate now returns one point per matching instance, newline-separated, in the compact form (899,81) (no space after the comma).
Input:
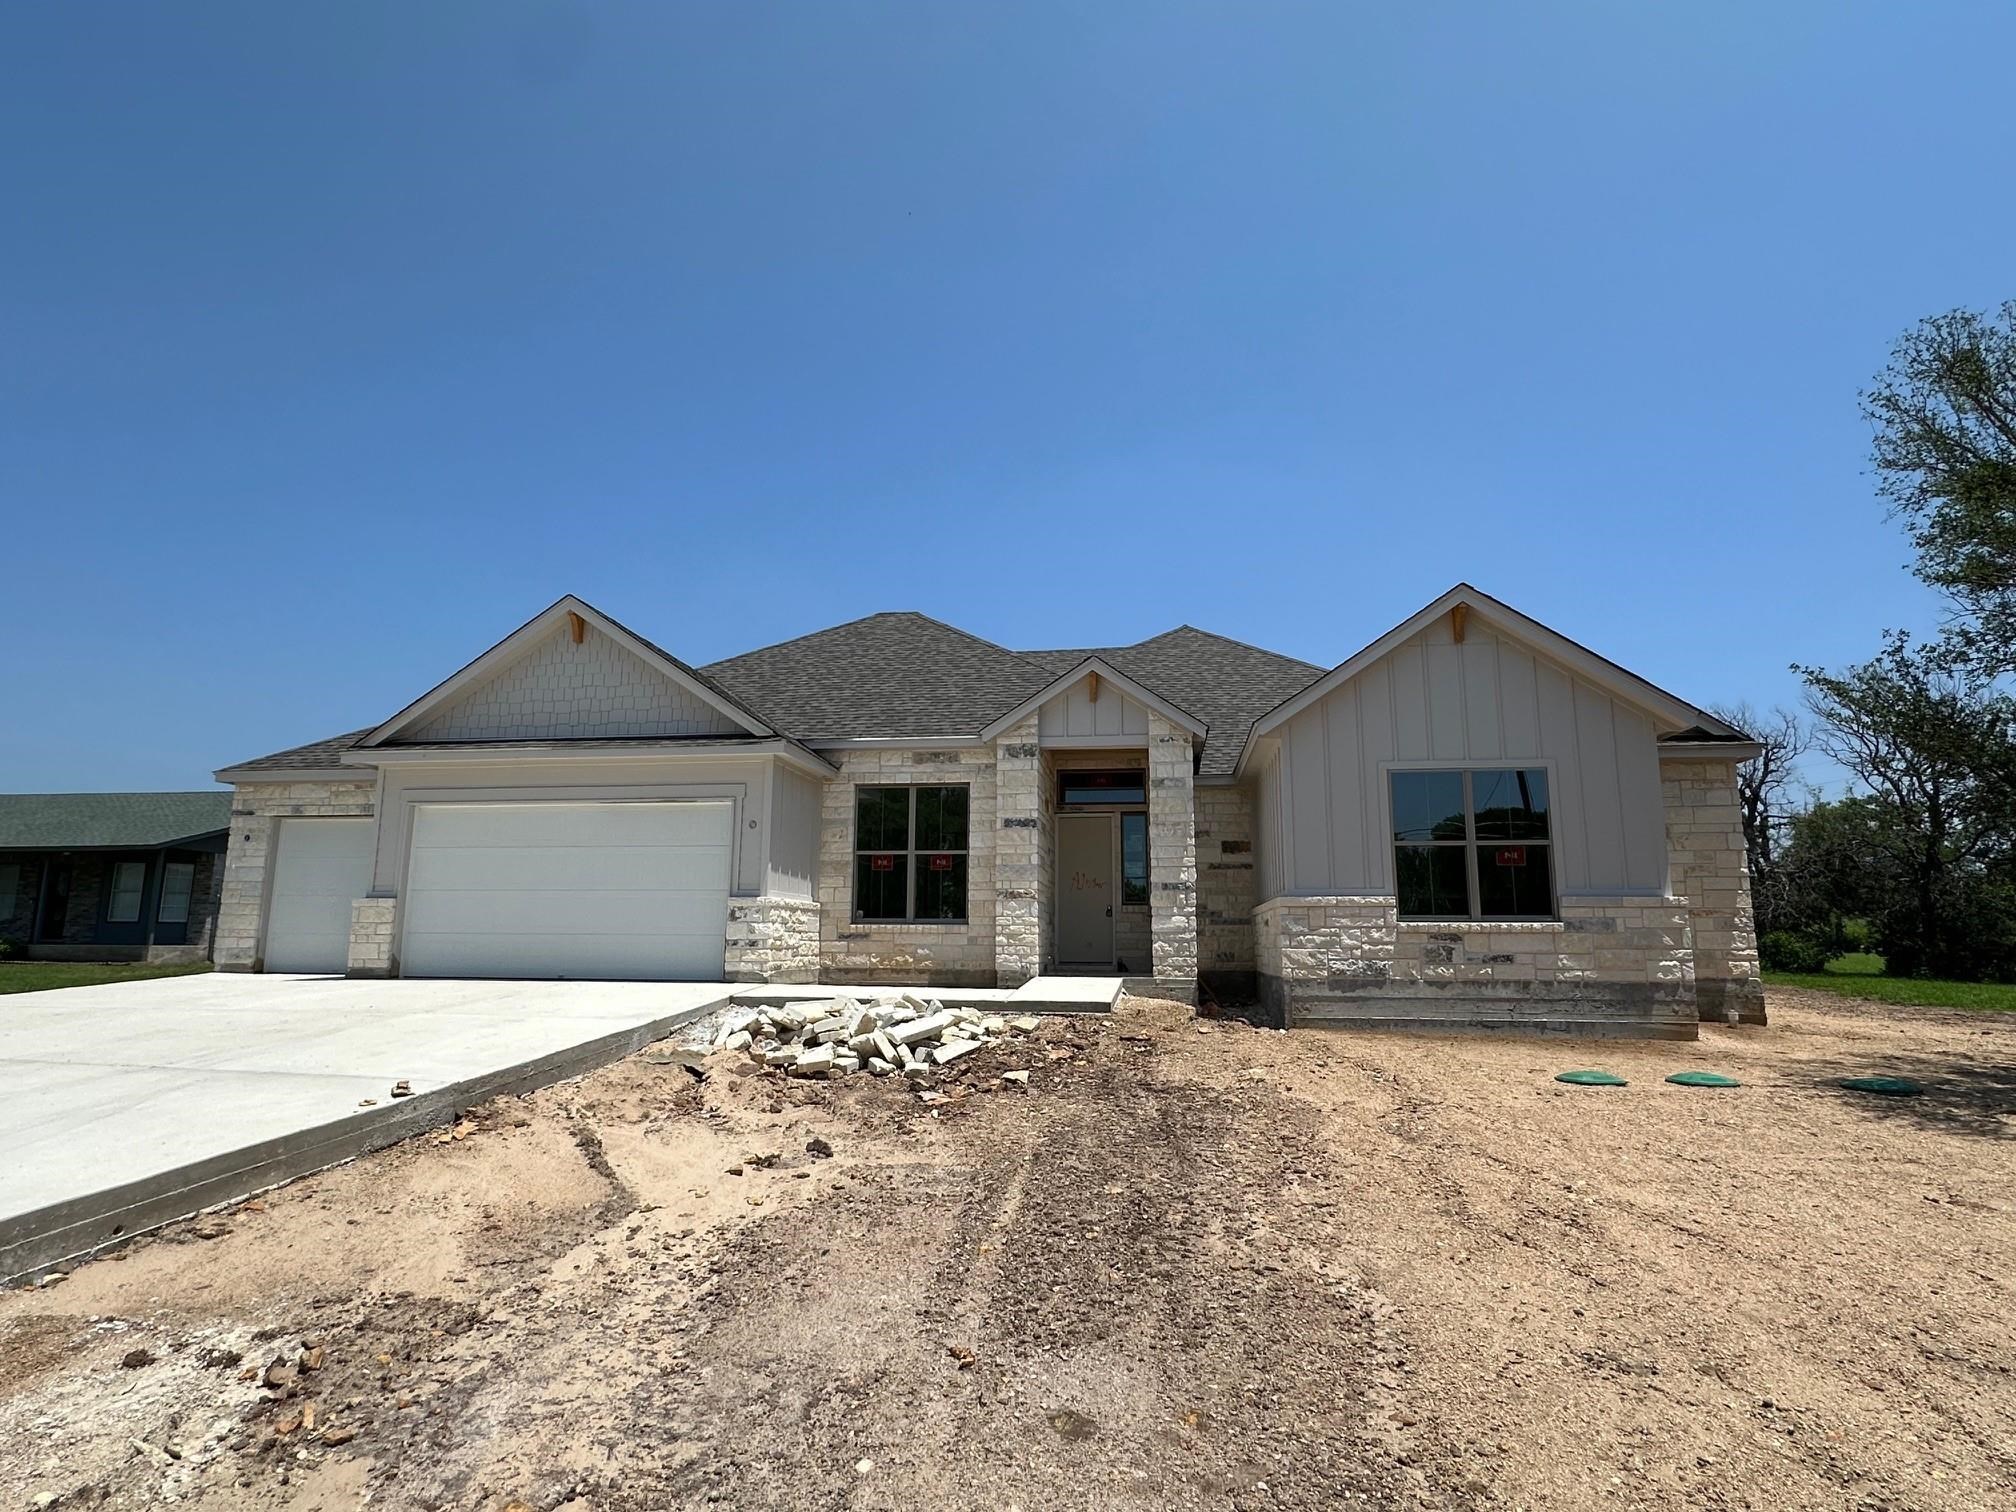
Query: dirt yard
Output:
(1192,1265)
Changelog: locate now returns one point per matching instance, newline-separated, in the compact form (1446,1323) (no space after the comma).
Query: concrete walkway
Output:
(128,1105)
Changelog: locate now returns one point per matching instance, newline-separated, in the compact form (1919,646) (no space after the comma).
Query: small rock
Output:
(338,1435)
(402,1088)
(863,1467)
(1017,1078)
(1027,1024)
(133,1359)
(817,1148)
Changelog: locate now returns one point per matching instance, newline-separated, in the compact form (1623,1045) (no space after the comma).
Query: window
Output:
(1133,858)
(129,882)
(1085,789)
(178,881)
(910,853)
(1472,845)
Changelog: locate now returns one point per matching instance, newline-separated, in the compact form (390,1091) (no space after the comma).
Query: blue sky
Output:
(336,341)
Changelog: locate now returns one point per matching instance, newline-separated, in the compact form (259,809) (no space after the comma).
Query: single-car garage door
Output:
(320,867)
(615,891)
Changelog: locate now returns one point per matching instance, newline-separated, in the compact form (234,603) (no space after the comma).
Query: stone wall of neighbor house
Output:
(1172,859)
(947,955)
(1226,892)
(773,939)
(255,808)
(1620,966)
(1709,867)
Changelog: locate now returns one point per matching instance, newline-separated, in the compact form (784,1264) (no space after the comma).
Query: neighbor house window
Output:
(1473,845)
(1133,858)
(178,881)
(909,853)
(129,882)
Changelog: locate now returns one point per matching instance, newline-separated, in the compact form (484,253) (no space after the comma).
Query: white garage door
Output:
(320,866)
(609,891)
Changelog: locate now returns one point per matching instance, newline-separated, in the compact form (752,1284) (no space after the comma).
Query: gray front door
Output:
(1085,891)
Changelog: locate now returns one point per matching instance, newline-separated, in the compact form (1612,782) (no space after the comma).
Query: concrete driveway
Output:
(127,1105)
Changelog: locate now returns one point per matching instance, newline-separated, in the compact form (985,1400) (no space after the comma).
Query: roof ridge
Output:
(1230,640)
(813,635)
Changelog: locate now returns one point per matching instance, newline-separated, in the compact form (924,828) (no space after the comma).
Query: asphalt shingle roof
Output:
(902,675)
(888,674)
(88,821)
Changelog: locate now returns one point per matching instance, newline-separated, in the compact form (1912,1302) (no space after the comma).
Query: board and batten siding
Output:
(1073,714)
(1322,789)
(794,834)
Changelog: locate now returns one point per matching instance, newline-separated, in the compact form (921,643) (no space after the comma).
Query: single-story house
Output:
(1473,821)
(111,876)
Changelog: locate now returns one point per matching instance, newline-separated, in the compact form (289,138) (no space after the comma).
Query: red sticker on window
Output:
(881,863)
(1512,855)
(941,863)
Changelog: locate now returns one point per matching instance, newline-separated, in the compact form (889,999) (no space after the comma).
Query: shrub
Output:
(1785,950)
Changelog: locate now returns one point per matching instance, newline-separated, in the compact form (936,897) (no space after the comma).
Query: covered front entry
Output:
(582,891)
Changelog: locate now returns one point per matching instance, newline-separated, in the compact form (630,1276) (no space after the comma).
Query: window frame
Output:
(112,892)
(187,899)
(1388,770)
(1147,859)
(909,853)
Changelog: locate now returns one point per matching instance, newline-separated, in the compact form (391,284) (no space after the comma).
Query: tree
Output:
(1944,412)
(1763,784)
(1934,745)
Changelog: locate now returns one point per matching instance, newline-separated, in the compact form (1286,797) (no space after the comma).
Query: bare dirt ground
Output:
(1192,1265)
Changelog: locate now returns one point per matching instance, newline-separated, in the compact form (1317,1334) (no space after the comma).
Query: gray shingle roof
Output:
(93,821)
(1226,683)
(888,675)
(904,674)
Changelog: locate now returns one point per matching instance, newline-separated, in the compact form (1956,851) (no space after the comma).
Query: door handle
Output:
(1109,910)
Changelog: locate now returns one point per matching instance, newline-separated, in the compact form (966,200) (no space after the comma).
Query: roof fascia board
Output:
(1710,750)
(361,761)
(1569,655)
(242,776)
(521,640)
(894,742)
(1107,673)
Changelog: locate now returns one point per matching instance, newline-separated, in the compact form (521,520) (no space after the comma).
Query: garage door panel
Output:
(503,869)
(581,890)
(320,867)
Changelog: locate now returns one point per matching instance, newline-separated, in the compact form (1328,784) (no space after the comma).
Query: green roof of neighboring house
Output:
(108,821)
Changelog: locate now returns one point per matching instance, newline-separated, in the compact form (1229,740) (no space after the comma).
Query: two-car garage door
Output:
(614,891)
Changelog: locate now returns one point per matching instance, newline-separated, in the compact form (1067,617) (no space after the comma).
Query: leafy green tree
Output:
(1944,412)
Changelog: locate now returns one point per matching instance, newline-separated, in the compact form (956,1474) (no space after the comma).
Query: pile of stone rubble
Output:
(889,1036)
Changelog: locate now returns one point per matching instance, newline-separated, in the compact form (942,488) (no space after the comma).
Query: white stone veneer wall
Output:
(1227,889)
(1710,868)
(773,939)
(949,955)
(1172,859)
(374,924)
(1620,965)
(1020,910)
(248,862)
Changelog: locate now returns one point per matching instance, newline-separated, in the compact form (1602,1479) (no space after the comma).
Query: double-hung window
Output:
(129,883)
(1473,844)
(910,853)
(178,884)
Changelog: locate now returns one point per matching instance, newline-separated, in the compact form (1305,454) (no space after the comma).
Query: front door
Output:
(1085,891)
(55,912)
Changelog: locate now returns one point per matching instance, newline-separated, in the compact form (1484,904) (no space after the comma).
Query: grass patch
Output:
(1858,981)
(47,976)
(1856,963)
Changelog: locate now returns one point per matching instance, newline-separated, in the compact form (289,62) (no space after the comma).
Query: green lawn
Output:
(1861,976)
(43,976)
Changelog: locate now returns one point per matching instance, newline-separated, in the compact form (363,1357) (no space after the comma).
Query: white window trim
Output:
(113,893)
(188,894)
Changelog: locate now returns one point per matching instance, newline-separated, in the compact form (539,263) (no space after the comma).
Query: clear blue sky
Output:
(336,341)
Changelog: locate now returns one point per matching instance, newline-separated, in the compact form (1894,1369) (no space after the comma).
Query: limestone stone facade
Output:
(256,809)
(773,940)
(964,953)
(1020,907)
(1227,891)
(1172,859)
(1620,966)
(374,923)
(1704,849)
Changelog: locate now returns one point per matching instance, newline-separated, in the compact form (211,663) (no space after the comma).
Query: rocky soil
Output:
(1187,1265)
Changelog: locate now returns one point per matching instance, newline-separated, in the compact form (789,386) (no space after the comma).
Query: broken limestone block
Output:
(952,1050)
(846,1060)
(916,1004)
(1027,1024)
(917,1071)
(783,1055)
(1016,1078)
(884,1046)
(928,1027)
(879,1067)
(741,1039)
(991,1025)
(815,1062)
(826,1030)
(904,1058)
(863,1044)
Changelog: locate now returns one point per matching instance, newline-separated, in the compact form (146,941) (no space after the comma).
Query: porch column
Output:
(1172,860)
(1018,797)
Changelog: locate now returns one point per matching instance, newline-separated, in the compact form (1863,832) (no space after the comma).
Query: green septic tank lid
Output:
(1883,1086)
(1702,1079)
(1591,1079)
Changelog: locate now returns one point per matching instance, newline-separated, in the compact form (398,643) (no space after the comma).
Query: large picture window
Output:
(910,853)
(1473,844)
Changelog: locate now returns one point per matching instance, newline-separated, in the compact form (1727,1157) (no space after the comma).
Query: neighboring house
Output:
(1473,821)
(112,876)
